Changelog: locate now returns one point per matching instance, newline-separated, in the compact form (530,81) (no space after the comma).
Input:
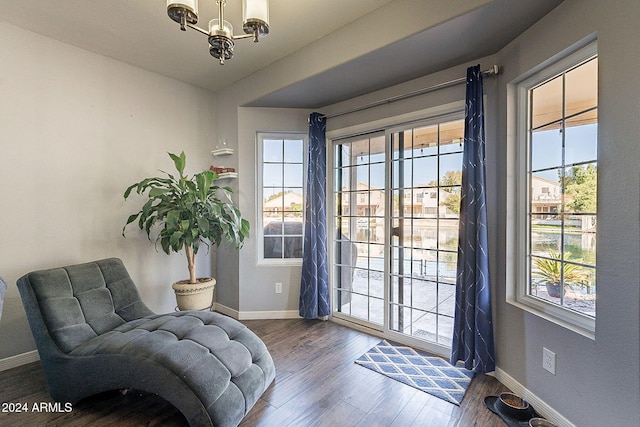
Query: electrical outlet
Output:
(549,360)
(278,288)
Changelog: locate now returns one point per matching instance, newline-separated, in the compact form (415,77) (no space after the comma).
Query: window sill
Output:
(563,317)
(280,262)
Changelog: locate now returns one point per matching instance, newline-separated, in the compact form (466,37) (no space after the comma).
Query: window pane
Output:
(546,102)
(426,141)
(451,169)
(579,245)
(425,171)
(342,203)
(272,175)
(402,145)
(362,174)
(448,235)
(343,155)
(273,226)
(292,175)
(425,295)
(452,137)
(546,192)
(360,152)
(293,247)
(293,150)
(342,179)
(446,300)
(581,142)
(546,148)
(424,233)
(272,150)
(447,265)
(582,88)
(377,175)
(449,204)
(272,247)
(401,173)
(580,188)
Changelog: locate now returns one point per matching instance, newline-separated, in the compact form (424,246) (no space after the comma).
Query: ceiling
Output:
(139,32)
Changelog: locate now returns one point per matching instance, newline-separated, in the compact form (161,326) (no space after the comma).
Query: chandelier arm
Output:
(243,36)
(198,29)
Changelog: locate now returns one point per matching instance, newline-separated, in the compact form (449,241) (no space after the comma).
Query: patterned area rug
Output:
(420,370)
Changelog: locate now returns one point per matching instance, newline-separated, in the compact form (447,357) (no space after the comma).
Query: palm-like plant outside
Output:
(554,273)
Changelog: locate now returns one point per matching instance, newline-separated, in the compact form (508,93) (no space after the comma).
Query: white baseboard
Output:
(256,315)
(19,360)
(225,310)
(540,405)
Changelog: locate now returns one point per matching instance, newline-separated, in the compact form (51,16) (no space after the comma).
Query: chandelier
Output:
(255,23)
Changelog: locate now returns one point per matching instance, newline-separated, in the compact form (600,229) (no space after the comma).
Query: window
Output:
(281,180)
(556,243)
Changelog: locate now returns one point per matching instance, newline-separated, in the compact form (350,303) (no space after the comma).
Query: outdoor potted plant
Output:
(189,212)
(551,271)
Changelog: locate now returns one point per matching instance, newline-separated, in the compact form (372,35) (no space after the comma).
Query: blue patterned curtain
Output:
(314,286)
(473,326)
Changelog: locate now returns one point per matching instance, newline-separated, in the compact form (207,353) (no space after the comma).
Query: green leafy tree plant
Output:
(188,212)
(580,188)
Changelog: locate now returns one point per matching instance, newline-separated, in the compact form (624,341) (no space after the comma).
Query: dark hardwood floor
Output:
(317,384)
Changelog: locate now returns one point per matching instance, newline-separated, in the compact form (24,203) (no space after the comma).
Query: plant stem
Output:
(191,263)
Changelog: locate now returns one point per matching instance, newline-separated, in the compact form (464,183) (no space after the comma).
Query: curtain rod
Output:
(493,71)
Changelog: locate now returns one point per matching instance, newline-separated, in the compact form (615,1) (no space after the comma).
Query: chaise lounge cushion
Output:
(95,334)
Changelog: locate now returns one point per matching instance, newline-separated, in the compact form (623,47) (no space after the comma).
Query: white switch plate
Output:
(549,360)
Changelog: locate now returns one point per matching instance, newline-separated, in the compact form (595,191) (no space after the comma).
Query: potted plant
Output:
(188,213)
(551,270)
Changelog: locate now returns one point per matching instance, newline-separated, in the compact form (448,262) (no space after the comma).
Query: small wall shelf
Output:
(228,175)
(222,152)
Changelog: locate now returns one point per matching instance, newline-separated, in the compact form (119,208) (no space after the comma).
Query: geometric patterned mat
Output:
(420,370)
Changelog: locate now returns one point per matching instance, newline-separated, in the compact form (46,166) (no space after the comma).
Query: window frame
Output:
(260,137)
(518,229)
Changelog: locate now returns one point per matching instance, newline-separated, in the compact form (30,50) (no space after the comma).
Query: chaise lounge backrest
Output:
(83,301)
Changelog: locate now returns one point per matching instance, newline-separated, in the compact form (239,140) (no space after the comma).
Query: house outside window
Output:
(555,240)
(281,196)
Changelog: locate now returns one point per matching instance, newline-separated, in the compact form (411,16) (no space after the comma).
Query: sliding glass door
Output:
(396,208)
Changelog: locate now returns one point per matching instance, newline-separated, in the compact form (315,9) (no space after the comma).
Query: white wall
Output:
(77,129)
(597,382)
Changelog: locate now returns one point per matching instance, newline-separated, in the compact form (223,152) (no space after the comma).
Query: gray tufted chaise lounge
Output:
(94,334)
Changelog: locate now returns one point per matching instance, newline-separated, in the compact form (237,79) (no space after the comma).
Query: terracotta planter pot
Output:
(197,296)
